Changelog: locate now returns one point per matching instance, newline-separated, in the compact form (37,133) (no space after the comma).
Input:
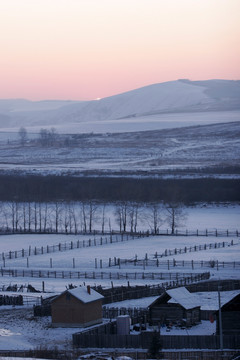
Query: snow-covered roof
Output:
(209,300)
(81,293)
(183,297)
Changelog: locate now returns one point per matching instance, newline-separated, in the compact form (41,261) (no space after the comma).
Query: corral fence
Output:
(143,340)
(200,247)
(137,315)
(170,264)
(109,238)
(175,278)
(135,354)
(11,300)
(213,285)
(121,293)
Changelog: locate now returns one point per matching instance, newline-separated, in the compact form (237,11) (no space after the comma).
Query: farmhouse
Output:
(78,307)
(175,306)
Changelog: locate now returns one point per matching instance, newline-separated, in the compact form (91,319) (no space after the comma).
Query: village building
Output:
(230,314)
(175,306)
(78,307)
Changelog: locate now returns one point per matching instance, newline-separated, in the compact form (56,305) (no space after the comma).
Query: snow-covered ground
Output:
(20,330)
(88,259)
(143,153)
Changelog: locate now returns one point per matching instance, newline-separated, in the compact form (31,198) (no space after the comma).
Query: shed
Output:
(175,306)
(230,317)
(78,307)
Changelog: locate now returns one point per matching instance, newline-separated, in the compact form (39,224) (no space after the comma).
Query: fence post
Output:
(50,262)
(95,263)
(73,263)
(27,262)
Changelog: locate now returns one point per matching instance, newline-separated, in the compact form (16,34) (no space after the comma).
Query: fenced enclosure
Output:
(143,340)
(134,354)
(137,315)
(177,278)
(116,236)
(171,264)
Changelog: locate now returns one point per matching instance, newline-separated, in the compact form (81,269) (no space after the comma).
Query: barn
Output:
(78,307)
(176,306)
(230,317)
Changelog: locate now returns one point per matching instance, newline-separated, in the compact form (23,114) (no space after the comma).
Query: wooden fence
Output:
(137,315)
(178,278)
(136,354)
(64,246)
(143,340)
(194,248)
(170,264)
(11,300)
(112,237)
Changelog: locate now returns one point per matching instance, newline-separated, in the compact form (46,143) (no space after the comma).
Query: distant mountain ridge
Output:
(169,97)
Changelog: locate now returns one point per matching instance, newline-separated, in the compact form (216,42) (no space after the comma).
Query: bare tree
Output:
(89,211)
(14,208)
(22,133)
(48,137)
(176,215)
(121,212)
(155,217)
(133,214)
(103,218)
(57,215)
(73,218)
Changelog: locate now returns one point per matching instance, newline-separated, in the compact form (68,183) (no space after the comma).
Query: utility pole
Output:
(220,319)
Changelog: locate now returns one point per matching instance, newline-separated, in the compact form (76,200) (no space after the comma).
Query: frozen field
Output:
(140,152)
(20,330)
(88,258)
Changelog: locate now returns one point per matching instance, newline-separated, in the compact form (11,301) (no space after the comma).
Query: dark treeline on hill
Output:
(51,188)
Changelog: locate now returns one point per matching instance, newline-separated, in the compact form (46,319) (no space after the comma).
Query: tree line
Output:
(88,216)
(110,189)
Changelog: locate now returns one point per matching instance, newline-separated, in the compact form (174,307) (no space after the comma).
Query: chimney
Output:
(89,289)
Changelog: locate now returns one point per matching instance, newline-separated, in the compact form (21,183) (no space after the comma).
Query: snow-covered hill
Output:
(179,96)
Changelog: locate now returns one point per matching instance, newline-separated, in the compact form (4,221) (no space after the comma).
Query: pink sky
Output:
(87,49)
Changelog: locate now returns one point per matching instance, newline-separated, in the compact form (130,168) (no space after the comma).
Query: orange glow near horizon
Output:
(88,49)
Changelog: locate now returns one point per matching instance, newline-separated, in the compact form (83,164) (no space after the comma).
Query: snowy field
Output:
(96,258)
(140,152)
(20,330)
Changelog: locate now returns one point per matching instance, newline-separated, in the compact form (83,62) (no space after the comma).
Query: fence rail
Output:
(64,246)
(171,264)
(108,238)
(178,277)
(143,340)
(195,248)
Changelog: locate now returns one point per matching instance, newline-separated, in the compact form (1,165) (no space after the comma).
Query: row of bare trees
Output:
(76,217)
